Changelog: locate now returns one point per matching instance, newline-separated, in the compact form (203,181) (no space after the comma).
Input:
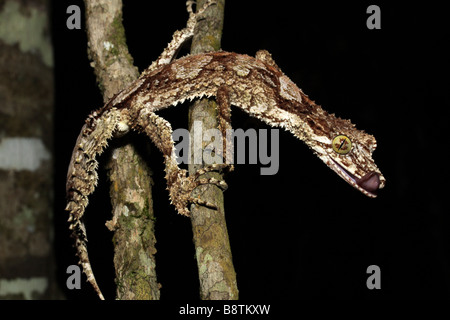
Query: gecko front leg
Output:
(179,185)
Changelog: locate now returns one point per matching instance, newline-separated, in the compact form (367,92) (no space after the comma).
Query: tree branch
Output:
(213,252)
(129,175)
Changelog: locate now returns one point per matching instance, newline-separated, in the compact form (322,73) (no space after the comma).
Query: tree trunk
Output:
(215,266)
(130,177)
(27,268)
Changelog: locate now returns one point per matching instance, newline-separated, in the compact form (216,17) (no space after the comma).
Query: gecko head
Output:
(348,152)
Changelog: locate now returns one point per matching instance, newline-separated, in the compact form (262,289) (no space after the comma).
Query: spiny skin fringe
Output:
(82,180)
(256,85)
(100,126)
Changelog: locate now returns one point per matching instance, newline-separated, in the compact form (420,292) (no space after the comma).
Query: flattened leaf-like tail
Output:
(82,179)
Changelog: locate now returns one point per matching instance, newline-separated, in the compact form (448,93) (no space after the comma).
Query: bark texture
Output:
(215,265)
(26,152)
(130,176)
(133,223)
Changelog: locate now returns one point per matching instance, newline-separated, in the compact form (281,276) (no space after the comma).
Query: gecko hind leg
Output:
(179,185)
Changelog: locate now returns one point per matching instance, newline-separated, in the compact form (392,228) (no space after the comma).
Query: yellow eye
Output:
(341,144)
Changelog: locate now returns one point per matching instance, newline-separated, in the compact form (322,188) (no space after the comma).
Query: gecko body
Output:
(253,84)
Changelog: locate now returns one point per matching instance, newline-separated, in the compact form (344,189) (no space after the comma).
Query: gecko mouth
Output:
(367,184)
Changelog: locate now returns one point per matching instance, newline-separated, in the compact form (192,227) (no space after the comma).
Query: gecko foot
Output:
(195,16)
(182,187)
(218,167)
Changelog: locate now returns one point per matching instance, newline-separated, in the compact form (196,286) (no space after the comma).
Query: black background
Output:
(302,233)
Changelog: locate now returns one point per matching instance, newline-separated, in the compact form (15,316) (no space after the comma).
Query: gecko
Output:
(254,84)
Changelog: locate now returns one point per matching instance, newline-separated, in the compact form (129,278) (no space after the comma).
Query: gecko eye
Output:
(341,144)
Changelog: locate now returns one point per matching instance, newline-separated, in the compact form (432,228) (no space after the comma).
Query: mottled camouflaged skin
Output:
(256,85)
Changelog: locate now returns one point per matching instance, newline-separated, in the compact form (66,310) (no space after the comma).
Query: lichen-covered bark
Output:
(130,177)
(133,221)
(112,63)
(215,266)
(27,268)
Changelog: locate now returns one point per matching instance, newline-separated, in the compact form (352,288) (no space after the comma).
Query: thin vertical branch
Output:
(216,271)
(130,177)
